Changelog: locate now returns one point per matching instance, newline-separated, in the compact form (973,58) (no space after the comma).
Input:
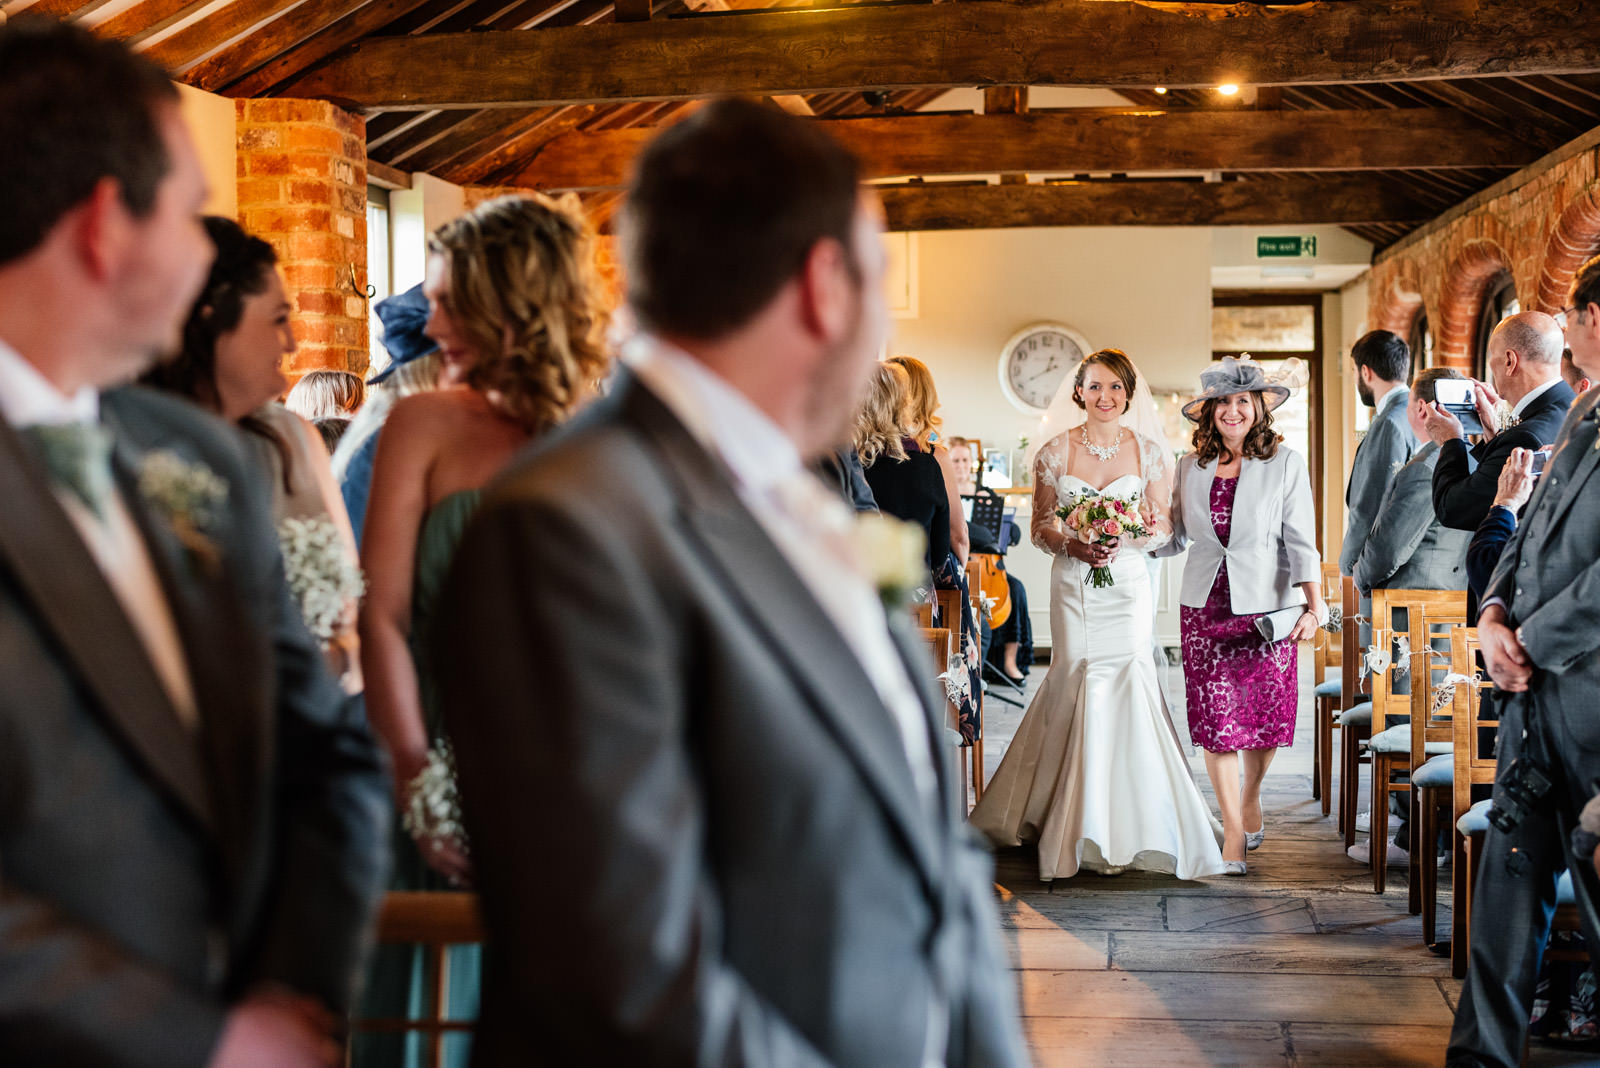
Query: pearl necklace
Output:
(1104,452)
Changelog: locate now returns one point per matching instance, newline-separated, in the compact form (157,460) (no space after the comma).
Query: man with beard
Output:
(1382,364)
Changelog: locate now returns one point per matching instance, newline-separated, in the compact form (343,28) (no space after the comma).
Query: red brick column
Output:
(1462,298)
(303,187)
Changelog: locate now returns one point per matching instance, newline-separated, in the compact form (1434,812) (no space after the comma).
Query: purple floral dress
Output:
(1242,689)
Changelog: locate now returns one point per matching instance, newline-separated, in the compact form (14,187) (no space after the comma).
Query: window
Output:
(1499,301)
(378,270)
(1421,342)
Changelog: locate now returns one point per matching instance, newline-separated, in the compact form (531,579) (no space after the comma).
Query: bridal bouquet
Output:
(1102,519)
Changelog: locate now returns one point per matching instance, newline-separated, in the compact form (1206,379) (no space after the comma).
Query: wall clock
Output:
(1034,362)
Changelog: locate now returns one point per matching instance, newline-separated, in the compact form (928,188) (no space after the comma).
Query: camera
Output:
(1525,782)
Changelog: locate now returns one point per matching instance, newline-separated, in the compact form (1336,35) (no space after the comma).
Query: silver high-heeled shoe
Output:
(1233,867)
(1253,839)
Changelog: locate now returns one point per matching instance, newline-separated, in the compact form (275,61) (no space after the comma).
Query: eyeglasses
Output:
(1568,317)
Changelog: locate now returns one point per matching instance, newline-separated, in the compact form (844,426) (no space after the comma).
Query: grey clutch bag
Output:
(1275,626)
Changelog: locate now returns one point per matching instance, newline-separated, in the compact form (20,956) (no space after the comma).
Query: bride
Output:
(1096,776)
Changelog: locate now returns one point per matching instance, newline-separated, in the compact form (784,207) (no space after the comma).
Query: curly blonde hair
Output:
(523,288)
(879,428)
(921,416)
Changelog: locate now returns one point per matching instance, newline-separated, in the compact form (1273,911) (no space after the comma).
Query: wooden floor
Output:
(1297,964)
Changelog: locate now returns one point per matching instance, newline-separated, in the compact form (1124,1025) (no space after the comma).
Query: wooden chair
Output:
(1474,757)
(1432,775)
(942,645)
(1390,749)
(1327,657)
(950,617)
(435,921)
(1354,725)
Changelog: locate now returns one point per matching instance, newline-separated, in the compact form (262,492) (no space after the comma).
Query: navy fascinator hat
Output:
(403,316)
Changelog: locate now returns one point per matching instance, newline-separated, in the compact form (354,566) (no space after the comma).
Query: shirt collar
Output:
(719,416)
(1383,402)
(28,398)
(1531,395)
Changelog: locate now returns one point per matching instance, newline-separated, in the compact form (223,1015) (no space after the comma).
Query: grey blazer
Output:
(738,869)
(149,876)
(1272,540)
(1409,549)
(1549,579)
(1388,445)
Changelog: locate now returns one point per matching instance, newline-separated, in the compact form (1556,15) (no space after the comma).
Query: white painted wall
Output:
(414,214)
(213,124)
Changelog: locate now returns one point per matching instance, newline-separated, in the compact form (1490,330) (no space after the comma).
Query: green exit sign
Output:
(1285,247)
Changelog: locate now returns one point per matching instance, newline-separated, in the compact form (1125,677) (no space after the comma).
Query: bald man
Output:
(1525,368)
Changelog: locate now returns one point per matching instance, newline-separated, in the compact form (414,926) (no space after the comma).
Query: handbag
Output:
(1275,626)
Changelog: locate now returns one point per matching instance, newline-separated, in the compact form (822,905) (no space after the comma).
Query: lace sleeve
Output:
(1048,467)
(1156,506)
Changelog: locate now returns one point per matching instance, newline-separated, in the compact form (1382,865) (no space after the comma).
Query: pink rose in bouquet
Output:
(1102,519)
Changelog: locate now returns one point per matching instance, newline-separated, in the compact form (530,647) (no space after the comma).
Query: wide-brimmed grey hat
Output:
(1241,374)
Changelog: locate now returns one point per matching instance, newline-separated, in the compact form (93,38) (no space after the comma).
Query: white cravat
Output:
(27,398)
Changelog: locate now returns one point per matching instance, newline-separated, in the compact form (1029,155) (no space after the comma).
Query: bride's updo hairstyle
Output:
(1260,441)
(1114,360)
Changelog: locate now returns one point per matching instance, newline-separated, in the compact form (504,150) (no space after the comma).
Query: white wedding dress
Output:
(1096,776)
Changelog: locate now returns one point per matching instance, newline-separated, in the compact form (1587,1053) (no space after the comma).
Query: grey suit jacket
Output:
(1388,444)
(149,876)
(1549,579)
(697,835)
(1272,537)
(1409,549)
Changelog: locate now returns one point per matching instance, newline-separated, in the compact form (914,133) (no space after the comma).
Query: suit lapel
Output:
(70,593)
(783,610)
(225,672)
(1581,436)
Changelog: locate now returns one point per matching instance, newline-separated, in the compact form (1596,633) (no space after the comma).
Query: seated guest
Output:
(1525,364)
(1408,548)
(191,812)
(415,366)
(325,394)
(230,363)
(963,463)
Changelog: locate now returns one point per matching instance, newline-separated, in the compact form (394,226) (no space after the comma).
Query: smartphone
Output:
(1458,397)
(1538,462)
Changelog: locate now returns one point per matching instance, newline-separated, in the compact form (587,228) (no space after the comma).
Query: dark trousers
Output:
(1511,913)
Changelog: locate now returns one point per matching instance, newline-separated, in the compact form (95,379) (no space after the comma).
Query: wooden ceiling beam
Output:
(1084,140)
(146,19)
(325,42)
(179,51)
(270,41)
(982,43)
(1299,202)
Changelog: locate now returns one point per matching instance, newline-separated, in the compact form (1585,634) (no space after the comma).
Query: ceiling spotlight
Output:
(1162,90)
(1228,89)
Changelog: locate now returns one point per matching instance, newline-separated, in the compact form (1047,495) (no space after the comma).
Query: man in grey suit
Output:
(1408,548)
(713,816)
(192,817)
(1383,367)
(1540,633)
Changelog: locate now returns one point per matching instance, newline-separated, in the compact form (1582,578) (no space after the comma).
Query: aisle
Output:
(1298,964)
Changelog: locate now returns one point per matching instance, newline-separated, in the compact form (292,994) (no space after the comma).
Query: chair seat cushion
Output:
(1331,688)
(1438,773)
(1476,819)
(1357,715)
(1398,740)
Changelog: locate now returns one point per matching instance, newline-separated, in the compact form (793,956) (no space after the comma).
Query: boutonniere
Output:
(190,497)
(893,557)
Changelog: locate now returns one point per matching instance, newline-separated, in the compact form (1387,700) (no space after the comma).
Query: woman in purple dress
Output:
(1243,508)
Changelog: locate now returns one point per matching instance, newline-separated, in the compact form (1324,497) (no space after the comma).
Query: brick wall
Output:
(303,187)
(1541,227)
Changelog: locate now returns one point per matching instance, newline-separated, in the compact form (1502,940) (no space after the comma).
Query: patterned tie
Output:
(78,458)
